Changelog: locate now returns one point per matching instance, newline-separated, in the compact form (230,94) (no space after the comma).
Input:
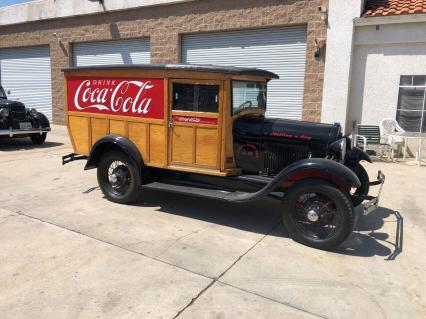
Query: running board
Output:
(212,193)
(191,190)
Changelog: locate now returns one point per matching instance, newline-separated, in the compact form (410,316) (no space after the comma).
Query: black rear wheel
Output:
(118,178)
(38,139)
(318,214)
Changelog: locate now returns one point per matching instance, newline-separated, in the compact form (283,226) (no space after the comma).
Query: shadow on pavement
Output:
(17,144)
(257,217)
(262,216)
(367,239)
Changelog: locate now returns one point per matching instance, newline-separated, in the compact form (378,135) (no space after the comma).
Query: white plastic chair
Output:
(389,126)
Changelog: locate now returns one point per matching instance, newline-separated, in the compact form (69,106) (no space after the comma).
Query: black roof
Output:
(184,67)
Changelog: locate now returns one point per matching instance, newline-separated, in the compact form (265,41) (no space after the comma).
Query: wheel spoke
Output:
(316,216)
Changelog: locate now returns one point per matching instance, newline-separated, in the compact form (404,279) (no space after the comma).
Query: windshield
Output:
(2,93)
(247,95)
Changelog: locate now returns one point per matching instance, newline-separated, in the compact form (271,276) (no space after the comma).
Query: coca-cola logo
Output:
(197,120)
(119,96)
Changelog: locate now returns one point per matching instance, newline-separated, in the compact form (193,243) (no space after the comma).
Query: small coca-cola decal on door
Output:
(139,97)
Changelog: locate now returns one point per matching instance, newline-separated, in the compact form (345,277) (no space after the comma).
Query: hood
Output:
(10,103)
(299,131)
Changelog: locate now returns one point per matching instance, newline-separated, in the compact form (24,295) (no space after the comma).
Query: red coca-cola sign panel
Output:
(138,97)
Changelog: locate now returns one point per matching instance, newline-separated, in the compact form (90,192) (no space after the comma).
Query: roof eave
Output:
(394,19)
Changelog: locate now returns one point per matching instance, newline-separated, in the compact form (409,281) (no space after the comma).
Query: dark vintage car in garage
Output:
(18,121)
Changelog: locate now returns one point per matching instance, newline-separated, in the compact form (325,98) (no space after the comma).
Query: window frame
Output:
(263,109)
(195,82)
(423,110)
(3,93)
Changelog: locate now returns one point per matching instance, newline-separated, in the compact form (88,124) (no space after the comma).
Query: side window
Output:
(196,97)
(411,108)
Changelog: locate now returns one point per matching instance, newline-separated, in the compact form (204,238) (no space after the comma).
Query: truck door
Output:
(194,123)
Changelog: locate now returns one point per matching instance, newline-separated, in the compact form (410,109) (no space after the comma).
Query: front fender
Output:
(334,172)
(111,142)
(355,155)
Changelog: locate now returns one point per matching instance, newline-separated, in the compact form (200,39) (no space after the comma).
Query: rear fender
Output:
(113,142)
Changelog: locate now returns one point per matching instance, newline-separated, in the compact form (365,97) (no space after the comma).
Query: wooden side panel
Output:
(138,135)
(157,143)
(117,127)
(80,133)
(99,129)
(207,142)
(228,158)
(182,145)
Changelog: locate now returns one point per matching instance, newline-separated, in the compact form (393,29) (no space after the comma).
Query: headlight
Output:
(4,113)
(33,112)
(339,148)
(349,140)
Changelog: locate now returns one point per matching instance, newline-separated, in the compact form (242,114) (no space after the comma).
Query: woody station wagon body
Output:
(202,130)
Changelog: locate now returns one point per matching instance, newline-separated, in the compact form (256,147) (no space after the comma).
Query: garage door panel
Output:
(129,51)
(280,50)
(26,74)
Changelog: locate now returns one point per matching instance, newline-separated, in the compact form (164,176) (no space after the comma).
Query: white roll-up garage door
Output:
(25,75)
(132,51)
(280,50)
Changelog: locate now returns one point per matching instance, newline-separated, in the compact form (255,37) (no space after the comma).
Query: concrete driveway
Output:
(66,252)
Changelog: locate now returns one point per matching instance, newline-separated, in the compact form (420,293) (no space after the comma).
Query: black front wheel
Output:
(38,139)
(318,214)
(118,178)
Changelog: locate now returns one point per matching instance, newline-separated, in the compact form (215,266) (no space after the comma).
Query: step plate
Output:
(190,190)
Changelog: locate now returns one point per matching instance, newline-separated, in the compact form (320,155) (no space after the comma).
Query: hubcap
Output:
(119,177)
(113,178)
(313,216)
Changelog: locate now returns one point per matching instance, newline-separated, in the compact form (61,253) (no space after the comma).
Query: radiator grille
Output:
(276,161)
(17,114)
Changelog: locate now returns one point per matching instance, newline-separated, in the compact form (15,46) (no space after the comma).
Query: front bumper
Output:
(16,132)
(371,203)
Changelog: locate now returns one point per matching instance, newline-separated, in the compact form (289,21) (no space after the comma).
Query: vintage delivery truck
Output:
(202,131)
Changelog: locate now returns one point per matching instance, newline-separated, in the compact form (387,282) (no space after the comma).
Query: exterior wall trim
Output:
(55,9)
(408,18)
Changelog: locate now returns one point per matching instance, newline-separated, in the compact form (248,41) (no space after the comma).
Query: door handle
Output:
(170,123)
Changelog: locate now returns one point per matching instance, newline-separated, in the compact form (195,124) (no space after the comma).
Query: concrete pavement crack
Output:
(178,239)
(200,293)
(108,243)
(274,300)
(193,300)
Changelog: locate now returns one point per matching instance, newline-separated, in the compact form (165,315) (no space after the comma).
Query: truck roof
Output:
(182,67)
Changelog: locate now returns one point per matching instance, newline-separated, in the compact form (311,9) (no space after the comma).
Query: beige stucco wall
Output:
(380,57)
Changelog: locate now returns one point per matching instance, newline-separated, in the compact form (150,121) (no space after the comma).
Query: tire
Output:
(362,174)
(38,139)
(126,187)
(337,201)
(42,122)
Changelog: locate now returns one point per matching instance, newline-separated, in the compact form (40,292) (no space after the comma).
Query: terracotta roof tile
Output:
(374,8)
